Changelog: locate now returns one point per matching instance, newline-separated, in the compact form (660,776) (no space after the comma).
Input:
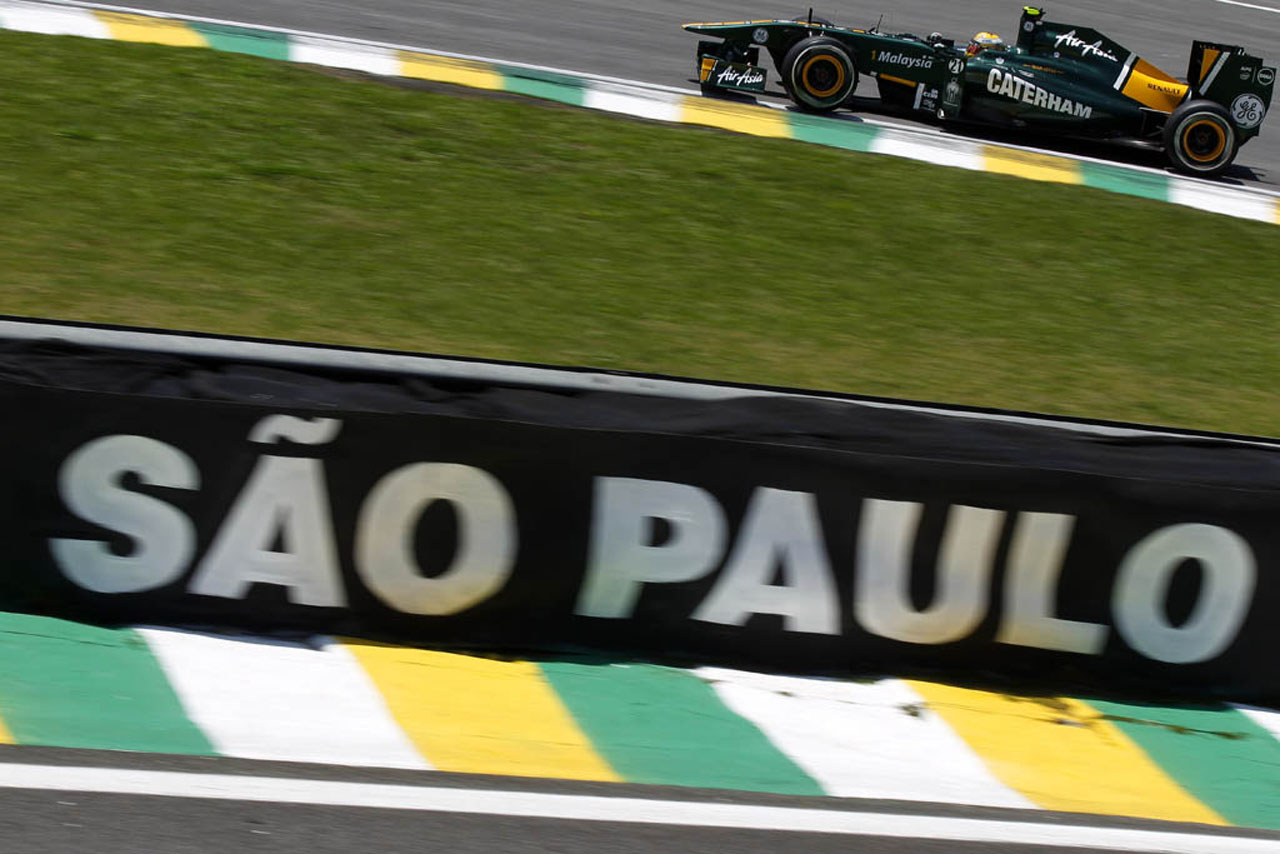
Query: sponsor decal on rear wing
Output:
(1233,78)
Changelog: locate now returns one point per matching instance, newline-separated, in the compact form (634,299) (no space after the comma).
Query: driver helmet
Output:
(984,41)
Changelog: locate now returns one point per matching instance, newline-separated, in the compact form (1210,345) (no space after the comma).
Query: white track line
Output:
(863,740)
(1268,718)
(52,21)
(538,805)
(264,698)
(1216,198)
(1250,6)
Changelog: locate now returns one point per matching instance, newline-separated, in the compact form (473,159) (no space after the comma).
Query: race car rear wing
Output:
(1226,70)
(1234,79)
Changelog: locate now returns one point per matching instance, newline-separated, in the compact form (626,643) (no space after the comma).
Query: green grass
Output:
(197,190)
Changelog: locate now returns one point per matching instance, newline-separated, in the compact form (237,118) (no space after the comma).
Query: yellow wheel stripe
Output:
(443,69)
(1037,167)
(740,118)
(1061,754)
(1222,142)
(480,715)
(824,93)
(143,28)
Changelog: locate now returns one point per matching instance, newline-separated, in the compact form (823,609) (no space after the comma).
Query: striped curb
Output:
(634,99)
(362,703)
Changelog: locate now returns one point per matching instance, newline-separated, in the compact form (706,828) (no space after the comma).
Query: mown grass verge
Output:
(198,190)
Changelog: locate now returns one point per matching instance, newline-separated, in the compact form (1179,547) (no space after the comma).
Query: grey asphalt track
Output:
(58,823)
(642,39)
(39,821)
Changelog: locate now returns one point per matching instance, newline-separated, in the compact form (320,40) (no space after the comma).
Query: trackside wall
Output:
(762,528)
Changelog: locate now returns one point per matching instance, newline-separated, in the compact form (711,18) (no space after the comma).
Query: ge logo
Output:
(760,36)
(956,66)
(1248,111)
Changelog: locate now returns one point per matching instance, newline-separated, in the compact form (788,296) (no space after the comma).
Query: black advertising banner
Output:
(771,532)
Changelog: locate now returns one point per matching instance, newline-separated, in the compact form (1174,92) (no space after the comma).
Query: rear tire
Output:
(818,74)
(1200,139)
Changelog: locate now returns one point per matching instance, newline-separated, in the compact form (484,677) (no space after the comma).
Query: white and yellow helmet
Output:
(984,41)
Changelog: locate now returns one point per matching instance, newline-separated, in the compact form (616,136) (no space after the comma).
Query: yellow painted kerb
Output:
(479,715)
(6,737)
(1060,754)
(1037,167)
(444,69)
(739,118)
(143,28)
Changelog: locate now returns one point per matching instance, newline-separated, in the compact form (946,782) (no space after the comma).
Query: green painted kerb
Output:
(544,84)
(1216,753)
(1127,181)
(243,40)
(659,725)
(64,684)
(850,135)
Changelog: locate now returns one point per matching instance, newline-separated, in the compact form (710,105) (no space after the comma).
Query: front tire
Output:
(1200,139)
(819,75)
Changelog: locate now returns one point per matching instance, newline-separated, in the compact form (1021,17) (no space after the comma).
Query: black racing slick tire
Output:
(1200,139)
(818,74)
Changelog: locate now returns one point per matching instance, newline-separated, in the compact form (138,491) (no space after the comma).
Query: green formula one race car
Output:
(1059,79)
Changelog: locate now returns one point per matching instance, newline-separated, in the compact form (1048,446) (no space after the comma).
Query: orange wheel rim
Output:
(841,76)
(1220,141)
